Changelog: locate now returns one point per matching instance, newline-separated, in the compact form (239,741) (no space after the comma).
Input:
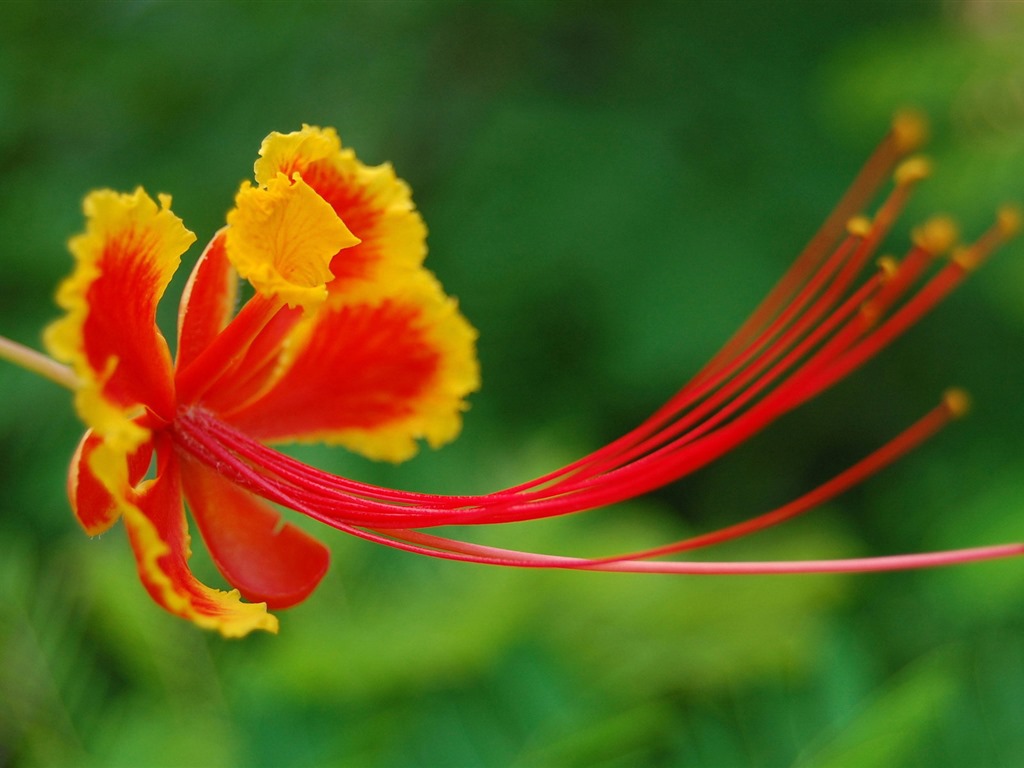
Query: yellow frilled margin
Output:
(155,519)
(434,413)
(123,263)
(375,204)
(375,370)
(282,236)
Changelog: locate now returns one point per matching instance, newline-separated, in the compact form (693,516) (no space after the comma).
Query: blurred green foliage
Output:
(609,187)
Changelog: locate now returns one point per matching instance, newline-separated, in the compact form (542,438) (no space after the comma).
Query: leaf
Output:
(893,722)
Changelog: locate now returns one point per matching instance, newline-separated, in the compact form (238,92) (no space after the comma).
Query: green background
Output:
(610,187)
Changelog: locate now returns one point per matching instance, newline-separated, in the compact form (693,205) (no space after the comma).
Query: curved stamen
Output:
(449,549)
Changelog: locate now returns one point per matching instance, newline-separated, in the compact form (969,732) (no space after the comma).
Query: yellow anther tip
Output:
(967,258)
(888,266)
(909,130)
(957,402)
(936,235)
(912,170)
(859,226)
(1009,221)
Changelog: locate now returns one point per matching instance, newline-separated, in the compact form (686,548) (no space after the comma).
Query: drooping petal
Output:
(265,560)
(281,237)
(207,303)
(123,263)
(375,204)
(93,505)
(155,518)
(374,372)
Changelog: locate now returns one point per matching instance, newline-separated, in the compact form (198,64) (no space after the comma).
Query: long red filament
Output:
(814,328)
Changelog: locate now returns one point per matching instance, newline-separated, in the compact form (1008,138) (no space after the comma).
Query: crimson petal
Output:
(265,560)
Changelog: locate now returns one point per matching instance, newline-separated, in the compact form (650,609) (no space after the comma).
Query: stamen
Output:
(38,363)
(774,341)
(645,437)
(449,549)
(936,236)
(860,226)
(931,239)
(436,546)
(1006,227)
(909,130)
(625,474)
(912,170)
(821,321)
(954,404)
(922,302)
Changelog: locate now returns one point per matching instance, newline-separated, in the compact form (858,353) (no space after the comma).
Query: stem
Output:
(38,363)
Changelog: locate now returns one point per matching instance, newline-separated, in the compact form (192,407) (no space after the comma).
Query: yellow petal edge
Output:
(234,618)
(281,238)
(397,233)
(110,215)
(436,413)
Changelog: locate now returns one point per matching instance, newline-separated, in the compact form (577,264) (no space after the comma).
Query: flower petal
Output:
(375,205)
(155,519)
(93,505)
(123,263)
(253,367)
(281,238)
(265,560)
(207,303)
(374,372)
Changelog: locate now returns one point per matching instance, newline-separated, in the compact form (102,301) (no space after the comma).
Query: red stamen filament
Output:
(814,328)
(831,361)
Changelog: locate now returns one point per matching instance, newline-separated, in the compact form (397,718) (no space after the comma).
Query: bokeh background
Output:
(610,187)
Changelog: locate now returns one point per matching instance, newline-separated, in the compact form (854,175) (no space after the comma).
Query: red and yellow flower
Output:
(348,339)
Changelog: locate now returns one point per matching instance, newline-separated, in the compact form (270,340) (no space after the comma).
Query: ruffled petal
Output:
(375,205)
(374,372)
(281,237)
(93,505)
(123,263)
(265,560)
(207,303)
(155,518)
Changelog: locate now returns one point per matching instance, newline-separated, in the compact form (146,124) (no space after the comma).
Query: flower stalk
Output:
(37,363)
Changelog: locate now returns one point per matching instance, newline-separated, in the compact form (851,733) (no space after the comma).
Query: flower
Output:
(348,339)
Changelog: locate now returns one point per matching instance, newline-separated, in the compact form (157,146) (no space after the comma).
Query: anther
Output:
(935,236)
(1008,219)
(888,267)
(957,402)
(1007,225)
(859,226)
(967,258)
(912,170)
(909,130)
